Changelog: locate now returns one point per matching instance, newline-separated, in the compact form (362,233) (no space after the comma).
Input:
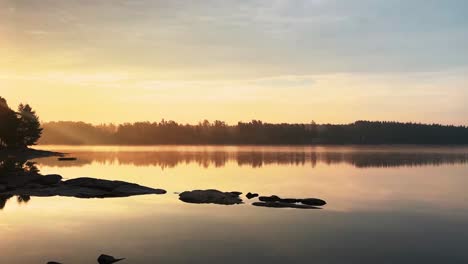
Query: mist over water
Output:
(219,156)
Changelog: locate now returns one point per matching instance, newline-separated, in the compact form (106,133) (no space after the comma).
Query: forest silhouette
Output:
(251,133)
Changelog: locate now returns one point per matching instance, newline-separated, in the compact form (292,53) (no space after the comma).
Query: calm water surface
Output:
(385,205)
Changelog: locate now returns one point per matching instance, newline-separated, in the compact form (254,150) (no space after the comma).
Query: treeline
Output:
(252,133)
(18,129)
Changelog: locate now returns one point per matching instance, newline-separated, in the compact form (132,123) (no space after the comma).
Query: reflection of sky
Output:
(145,231)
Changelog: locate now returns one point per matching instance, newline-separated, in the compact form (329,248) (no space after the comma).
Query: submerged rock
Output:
(284,205)
(106,259)
(211,197)
(251,195)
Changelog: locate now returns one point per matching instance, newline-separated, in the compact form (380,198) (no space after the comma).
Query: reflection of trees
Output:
(3,200)
(169,159)
(10,169)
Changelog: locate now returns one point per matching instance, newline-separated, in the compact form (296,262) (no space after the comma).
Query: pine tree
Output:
(8,125)
(29,128)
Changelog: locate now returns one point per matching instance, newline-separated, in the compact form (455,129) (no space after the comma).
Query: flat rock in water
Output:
(85,188)
(211,197)
(12,181)
(306,201)
(313,201)
(272,198)
(50,179)
(284,205)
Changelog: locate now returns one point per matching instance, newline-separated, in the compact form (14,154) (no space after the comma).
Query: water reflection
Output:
(409,214)
(12,169)
(379,157)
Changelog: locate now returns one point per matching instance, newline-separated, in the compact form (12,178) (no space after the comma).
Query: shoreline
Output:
(29,153)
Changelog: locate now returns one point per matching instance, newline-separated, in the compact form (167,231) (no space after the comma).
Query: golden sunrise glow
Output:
(72,63)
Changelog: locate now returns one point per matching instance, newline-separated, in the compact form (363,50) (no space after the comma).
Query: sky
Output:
(330,61)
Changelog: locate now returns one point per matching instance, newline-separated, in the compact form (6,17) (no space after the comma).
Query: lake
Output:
(386,204)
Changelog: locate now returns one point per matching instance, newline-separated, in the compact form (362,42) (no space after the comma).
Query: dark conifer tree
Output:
(29,128)
(8,126)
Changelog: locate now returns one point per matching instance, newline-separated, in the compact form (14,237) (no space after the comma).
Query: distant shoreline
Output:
(259,145)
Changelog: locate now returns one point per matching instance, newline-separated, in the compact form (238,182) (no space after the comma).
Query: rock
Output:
(35,186)
(19,180)
(272,198)
(290,200)
(50,179)
(116,188)
(306,201)
(84,188)
(236,193)
(105,259)
(284,205)
(210,197)
(251,195)
(313,201)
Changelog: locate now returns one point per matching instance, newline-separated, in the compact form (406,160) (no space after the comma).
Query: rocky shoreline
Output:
(22,179)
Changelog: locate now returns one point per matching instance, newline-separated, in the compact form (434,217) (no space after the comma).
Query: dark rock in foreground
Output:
(306,201)
(251,195)
(284,205)
(211,197)
(106,259)
(50,179)
(51,185)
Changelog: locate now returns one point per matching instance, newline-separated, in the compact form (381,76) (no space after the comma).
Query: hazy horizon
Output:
(239,121)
